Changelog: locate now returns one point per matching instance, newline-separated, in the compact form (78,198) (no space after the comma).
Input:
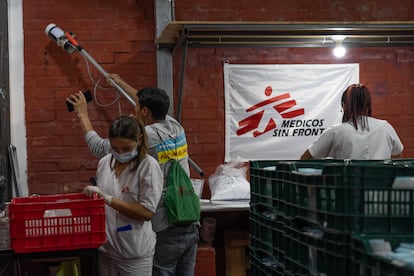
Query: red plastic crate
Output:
(56,222)
(206,261)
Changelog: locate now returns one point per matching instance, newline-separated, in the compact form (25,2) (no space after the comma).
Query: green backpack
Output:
(182,203)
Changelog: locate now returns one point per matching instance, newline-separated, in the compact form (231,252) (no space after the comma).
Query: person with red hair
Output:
(359,136)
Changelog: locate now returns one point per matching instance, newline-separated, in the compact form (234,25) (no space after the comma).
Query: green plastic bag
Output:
(182,203)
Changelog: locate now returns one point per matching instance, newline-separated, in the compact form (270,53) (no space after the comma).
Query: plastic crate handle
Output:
(403,183)
(264,210)
(57,213)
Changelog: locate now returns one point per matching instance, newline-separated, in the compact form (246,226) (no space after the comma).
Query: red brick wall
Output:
(298,10)
(389,74)
(121,38)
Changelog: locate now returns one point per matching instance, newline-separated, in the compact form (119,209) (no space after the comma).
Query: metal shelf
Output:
(286,34)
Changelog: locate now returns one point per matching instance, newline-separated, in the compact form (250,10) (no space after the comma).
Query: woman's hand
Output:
(90,190)
(79,103)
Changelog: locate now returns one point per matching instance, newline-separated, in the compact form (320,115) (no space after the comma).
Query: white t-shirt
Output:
(166,131)
(379,141)
(129,238)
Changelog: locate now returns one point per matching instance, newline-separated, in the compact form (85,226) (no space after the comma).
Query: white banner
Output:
(274,112)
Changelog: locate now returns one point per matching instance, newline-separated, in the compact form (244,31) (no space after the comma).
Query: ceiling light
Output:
(339,50)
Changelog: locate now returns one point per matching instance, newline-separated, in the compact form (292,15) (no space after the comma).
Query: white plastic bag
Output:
(229,182)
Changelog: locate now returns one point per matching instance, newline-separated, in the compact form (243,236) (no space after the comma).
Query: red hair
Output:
(356,103)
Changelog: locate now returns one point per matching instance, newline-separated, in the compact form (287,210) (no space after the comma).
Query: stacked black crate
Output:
(331,211)
(266,220)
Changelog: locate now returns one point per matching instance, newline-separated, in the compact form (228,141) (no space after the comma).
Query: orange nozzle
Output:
(72,39)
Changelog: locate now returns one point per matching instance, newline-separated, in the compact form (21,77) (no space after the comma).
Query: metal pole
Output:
(105,74)
(84,53)
(181,82)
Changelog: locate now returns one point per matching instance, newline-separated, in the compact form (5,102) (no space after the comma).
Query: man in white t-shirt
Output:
(359,136)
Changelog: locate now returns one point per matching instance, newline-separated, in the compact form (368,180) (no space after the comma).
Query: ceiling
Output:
(286,34)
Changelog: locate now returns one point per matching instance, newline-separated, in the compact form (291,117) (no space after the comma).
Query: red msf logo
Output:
(252,122)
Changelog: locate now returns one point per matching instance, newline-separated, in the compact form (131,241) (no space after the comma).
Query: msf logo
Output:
(281,103)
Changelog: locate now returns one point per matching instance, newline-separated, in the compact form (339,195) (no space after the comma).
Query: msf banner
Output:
(274,112)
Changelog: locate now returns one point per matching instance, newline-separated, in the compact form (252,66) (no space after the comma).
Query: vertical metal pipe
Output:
(181,81)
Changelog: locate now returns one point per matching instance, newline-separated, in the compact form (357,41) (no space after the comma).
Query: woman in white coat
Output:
(131,182)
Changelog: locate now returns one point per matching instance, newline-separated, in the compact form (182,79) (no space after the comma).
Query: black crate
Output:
(366,263)
(267,180)
(354,197)
(313,250)
(264,263)
(267,230)
(265,186)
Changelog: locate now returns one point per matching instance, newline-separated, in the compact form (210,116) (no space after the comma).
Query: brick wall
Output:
(389,77)
(298,10)
(121,38)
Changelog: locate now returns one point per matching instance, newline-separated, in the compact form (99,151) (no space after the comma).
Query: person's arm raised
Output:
(80,107)
(128,88)
(97,145)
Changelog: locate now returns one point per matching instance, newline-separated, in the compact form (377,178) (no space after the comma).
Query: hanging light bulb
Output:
(339,50)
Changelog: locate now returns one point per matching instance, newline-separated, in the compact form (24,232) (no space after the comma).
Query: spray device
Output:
(70,45)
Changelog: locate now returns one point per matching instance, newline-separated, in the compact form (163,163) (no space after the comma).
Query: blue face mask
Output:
(124,157)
